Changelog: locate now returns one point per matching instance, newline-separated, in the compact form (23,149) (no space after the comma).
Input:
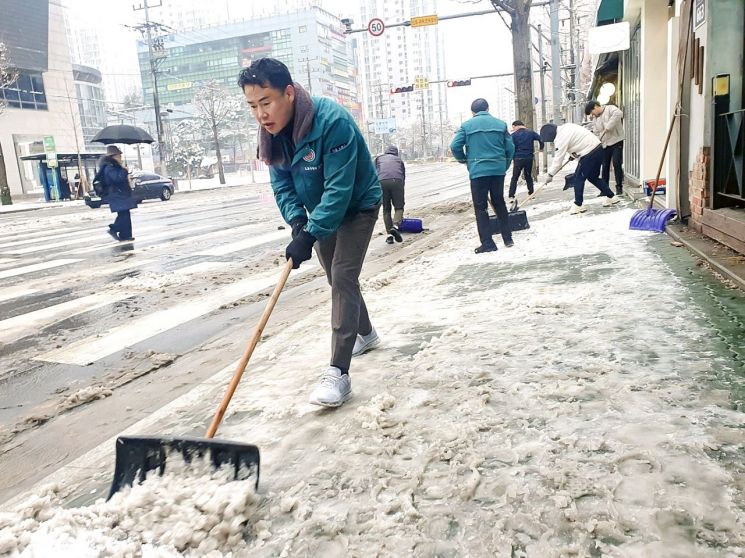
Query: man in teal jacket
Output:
(488,153)
(327,190)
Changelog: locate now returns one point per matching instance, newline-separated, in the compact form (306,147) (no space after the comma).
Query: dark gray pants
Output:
(393,193)
(613,154)
(342,255)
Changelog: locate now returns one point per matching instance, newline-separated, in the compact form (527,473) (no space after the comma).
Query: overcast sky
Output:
(475,45)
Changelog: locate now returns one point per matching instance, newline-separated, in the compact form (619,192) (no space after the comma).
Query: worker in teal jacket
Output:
(327,190)
(485,146)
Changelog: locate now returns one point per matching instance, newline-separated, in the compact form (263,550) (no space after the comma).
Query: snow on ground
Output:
(537,401)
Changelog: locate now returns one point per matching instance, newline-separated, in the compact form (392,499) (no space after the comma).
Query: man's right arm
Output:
(457,145)
(284,193)
(561,152)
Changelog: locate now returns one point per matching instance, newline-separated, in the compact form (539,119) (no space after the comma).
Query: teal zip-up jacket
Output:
(331,173)
(488,146)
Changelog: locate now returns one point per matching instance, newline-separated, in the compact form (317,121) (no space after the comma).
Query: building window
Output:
(302,29)
(26,93)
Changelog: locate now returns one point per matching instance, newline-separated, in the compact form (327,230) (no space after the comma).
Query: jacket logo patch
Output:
(338,148)
(309,156)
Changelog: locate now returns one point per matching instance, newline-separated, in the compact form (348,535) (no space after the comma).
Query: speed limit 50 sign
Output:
(376,27)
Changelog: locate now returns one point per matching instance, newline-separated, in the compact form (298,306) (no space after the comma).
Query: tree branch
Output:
(503,5)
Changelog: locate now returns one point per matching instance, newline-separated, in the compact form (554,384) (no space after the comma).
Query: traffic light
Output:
(404,89)
(459,83)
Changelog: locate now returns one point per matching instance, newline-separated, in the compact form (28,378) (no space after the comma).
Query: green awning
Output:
(610,11)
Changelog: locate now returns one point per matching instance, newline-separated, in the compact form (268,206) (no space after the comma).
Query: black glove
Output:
(297,225)
(301,248)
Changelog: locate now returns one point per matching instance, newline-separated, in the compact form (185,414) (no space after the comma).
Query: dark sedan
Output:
(146,186)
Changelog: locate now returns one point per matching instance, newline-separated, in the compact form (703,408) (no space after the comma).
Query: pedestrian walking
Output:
(327,190)
(392,175)
(485,146)
(580,143)
(608,126)
(524,139)
(117,192)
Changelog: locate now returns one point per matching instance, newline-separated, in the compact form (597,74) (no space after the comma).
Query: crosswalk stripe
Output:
(139,240)
(10,293)
(93,348)
(243,244)
(14,328)
(72,276)
(14,272)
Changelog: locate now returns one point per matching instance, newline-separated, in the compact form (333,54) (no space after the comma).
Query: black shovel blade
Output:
(136,456)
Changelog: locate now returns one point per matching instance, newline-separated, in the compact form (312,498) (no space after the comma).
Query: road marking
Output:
(36,267)
(15,292)
(243,244)
(139,240)
(14,328)
(89,350)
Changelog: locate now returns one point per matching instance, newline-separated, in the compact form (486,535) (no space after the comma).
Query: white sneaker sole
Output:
(331,404)
(611,201)
(370,346)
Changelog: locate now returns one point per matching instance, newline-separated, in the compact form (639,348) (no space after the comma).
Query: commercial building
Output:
(693,46)
(89,94)
(40,103)
(311,42)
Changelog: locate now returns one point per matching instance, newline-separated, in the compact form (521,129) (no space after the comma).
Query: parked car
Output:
(146,186)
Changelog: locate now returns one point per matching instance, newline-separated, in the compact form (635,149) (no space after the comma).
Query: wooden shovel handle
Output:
(249,351)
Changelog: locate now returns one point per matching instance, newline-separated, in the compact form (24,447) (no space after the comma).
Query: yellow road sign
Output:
(421,21)
(421,83)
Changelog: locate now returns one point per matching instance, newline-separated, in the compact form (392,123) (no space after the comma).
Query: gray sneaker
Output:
(364,343)
(333,389)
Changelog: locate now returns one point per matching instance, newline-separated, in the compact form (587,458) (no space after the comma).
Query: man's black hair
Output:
(479,105)
(265,72)
(590,105)
(518,123)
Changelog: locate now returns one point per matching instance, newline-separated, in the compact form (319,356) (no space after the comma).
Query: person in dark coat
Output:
(118,192)
(523,138)
(392,175)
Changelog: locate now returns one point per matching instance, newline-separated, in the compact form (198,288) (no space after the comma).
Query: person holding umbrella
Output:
(117,192)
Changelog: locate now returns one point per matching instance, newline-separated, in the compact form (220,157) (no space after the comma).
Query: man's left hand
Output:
(301,248)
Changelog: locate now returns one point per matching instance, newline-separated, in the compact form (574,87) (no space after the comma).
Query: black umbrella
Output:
(123,133)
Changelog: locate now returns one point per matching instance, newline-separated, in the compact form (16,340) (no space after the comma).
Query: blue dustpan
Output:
(651,219)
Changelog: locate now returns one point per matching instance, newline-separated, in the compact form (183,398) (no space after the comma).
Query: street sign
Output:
(699,13)
(421,83)
(376,27)
(51,151)
(384,126)
(422,21)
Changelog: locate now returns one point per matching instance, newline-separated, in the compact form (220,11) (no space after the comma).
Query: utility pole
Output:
(543,75)
(572,63)
(307,70)
(154,71)
(555,61)
(424,130)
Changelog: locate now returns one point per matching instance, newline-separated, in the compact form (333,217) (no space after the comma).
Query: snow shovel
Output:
(136,456)
(651,219)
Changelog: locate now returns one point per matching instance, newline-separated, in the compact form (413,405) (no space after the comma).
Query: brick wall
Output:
(699,188)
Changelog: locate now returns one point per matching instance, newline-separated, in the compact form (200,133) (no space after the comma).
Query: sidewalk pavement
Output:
(540,400)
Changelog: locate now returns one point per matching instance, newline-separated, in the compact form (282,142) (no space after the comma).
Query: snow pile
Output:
(183,513)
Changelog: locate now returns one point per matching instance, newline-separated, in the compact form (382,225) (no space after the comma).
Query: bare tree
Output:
(519,26)
(132,99)
(216,107)
(8,75)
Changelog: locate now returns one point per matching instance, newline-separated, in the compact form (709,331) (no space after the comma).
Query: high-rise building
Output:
(91,104)
(397,58)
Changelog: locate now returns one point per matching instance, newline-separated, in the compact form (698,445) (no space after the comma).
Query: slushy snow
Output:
(533,402)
